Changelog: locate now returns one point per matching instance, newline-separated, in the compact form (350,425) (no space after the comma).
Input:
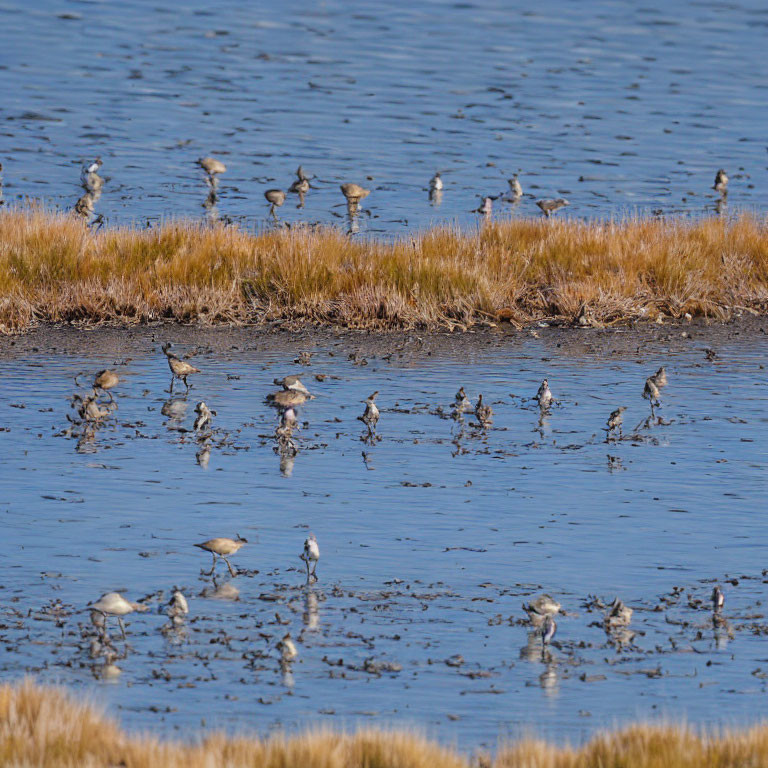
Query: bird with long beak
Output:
(370,416)
(222,547)
(293,393)
(180,369)
(311,555)
(114,604)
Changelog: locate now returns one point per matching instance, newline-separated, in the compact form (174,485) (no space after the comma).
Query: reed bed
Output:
(54,269)
(47,728)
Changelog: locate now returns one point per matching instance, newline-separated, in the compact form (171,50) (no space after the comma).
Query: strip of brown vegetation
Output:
(46,727)
(54,269)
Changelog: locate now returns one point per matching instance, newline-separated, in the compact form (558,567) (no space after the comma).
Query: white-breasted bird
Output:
(114,604)
(311,554)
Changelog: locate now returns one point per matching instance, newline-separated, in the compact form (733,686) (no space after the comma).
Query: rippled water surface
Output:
(618,106)
(432,536)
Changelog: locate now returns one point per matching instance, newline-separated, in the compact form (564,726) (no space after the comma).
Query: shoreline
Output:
(50,727)
(515,272)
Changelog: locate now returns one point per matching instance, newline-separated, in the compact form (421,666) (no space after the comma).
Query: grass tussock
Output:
(54,269)
(45,727)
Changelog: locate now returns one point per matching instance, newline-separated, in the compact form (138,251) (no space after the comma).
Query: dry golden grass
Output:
(53,269)
(45,727)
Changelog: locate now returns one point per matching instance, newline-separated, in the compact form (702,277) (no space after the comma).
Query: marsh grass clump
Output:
(53,268)
(46,727)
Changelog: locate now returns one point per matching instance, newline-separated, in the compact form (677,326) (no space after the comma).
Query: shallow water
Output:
(620,107)
(431,537)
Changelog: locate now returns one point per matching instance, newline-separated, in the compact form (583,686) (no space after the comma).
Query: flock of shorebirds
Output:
(292,394)
(93,183)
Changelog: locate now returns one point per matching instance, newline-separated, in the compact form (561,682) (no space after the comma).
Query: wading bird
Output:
(540,608)
(548,629)
(204,414)
(287,648)
(221,547)
(354,193)
(105,380)
(544,395)
(177,605)
(370,416)
(212,168)
(651,393)
(436,183)
(615,421)
(660,377)
(548,207)
(515,188)
(179,368)
(293,393)
(311,554)
(114,604)
(483,412)
(275,198)
(721,182)
(718,599)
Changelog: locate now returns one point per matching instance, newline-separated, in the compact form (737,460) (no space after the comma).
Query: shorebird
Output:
(544,395)
(287,648)
(221,547)
(540,608)
(619,615)
(114,604)
(486,207)
(84,206)
(515,188)
(370,416)
(548,207)
(651,393)
(293,393)
(211,166)
(548,629)
(177,605)
(106,379)
(462,401)
(94,166)
(180,369)
(483,412)
(718,599)
(660,377)
(275,198)
(288,419)
(721,182)
(301,185)
(204,414)
(311,554)
(435,183)
(89,409)
(354,193)
(615,420)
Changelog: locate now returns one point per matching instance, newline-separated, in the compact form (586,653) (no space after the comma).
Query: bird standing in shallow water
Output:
(483,412)
(548,207)
(293,393)
(106,380)
(370,416)
(311,554)
(718,599)
(486,207)
(204,414)
(721,182)
(660,377)
(515,188)
(212,168)
(615,421)
(221,547)
(287,648)
(544,395)
(651,393)
(275,198)
(354,193)
(114,604)
(179,368)
(436,183)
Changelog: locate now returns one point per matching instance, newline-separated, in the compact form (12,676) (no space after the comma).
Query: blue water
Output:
(621,107)
(431,537)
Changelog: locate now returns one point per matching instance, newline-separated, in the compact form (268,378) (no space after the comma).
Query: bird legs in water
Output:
(311,576)
(232,571)
(173,379)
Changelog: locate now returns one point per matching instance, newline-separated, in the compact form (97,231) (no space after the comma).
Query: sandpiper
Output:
(651,393)
(293,393)
(548,207)
(543,606)
(311,554)
(435,183)
(515,188)
(486,207)
(114,604)
(180,369)
(288,419)
(461,402)
(84,206)
(615,420)
(177,605)
(221,547)
(483,412)
(544,395)
(275,198)
(371,414)
(548,629)
(211,166)
(204,414)
(718,598)
(287,648)
(354,193)
(619,615)
(106,379)
(660,377)
(721,182)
